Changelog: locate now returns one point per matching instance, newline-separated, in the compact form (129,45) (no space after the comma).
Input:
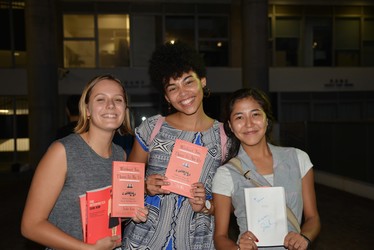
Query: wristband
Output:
(308,240)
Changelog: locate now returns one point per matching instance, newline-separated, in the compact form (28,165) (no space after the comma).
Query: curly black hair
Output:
(171,60)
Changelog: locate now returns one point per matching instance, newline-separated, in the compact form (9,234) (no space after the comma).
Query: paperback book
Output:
(266,214)
(185,166)
(128,188)
(97,220)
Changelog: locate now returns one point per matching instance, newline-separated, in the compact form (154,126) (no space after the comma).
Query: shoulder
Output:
(222,181)
(71,138)
(148,124)
(223,171)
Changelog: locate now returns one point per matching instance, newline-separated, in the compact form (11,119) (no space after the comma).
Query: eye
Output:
(238,117)
(170,89)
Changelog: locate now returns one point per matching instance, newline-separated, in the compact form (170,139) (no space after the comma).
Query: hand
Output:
(247,241)
(154,183)
(295,241)
(198,194)
(108,243)
(141,215)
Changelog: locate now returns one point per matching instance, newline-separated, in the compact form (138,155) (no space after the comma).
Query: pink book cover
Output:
(128,188)
(100,222)
(185,166)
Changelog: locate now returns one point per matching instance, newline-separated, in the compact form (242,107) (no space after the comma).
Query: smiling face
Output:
(248,122)
(186,93)
(106,107)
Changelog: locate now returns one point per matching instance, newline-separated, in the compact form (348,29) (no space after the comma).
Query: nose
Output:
(249,121)
(182,91)
(110,104)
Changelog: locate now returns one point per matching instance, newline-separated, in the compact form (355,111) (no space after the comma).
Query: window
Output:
(180,28)
(114,40)
(318,42)
(287,40)
(210,34)
(213,40)
(368,43)
(347,42)
(13,41)
(90,43)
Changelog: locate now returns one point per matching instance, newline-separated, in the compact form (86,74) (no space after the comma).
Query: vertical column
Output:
(42,77)
(255,66)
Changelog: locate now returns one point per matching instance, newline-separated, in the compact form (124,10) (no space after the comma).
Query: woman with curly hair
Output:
(174,221)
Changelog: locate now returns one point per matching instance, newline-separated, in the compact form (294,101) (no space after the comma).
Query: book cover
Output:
(185,166)
(266,214)
(99,222)
(83,208)
(128,188)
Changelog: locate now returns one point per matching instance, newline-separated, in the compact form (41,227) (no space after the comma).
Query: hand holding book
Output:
(154,184)
(198,194)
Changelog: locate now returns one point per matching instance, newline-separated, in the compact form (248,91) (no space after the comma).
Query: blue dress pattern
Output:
(171,223)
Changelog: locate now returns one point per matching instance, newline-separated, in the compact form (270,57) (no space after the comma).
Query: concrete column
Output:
(255,66)
(42,76)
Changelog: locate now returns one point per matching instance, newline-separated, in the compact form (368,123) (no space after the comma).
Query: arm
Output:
(137,153)
(222,211)
(311,225)
(45,188)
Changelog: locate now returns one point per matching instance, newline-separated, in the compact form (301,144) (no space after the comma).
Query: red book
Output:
(96,215)
(83,206)
(128,188)
(185,166)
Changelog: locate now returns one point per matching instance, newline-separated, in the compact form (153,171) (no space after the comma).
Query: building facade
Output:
(318,57)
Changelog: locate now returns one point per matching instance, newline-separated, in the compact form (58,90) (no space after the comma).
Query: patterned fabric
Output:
(171,223)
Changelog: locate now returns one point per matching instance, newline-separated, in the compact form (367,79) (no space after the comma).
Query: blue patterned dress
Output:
(172,224)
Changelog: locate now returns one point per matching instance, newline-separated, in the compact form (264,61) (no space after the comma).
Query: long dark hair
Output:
(262,99)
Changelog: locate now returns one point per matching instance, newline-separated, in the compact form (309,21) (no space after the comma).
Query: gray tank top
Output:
(86,170)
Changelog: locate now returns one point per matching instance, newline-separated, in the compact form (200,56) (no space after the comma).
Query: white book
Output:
(266,214)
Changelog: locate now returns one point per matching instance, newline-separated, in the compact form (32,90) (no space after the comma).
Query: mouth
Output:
(250,132)
(111,116)
(188,101)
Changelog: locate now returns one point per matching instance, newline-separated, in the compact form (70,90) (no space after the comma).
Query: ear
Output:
(230,125)
(88,113)
(167,98)
(203,82)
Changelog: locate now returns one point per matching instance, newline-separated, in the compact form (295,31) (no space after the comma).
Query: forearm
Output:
(224,243)
(311,227)
(49,235)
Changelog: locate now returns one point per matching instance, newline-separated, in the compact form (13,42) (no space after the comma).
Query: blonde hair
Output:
(83,122)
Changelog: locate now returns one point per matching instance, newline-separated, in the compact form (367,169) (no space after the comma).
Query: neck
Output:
(196,122)
(100,143)
(260,150)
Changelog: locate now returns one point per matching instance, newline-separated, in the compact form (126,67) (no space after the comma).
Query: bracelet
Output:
(307,239)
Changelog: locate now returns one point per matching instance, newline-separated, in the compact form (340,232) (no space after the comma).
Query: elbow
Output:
(27,228)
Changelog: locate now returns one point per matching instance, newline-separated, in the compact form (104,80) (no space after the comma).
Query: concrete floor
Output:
(347,220)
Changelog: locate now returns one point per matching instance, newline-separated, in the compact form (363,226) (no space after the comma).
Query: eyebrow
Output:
(183,80)
(253,110)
